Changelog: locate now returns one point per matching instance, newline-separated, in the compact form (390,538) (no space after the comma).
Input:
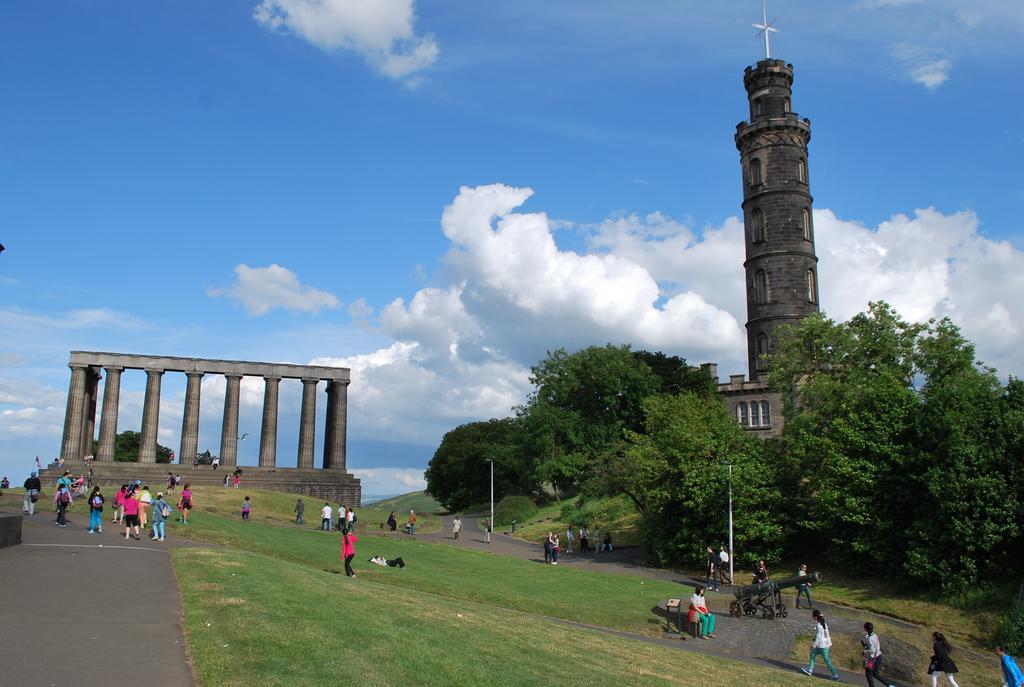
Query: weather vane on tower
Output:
(766,28)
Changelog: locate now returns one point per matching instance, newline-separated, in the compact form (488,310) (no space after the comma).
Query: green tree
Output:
(126,449)
(677,475)
(458,474)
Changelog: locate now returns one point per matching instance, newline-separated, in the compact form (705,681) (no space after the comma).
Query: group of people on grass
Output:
(346,517)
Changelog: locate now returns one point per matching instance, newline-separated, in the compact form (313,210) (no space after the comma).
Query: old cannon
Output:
(766,597)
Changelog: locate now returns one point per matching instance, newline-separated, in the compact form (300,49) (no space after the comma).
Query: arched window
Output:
(760,287)
(756,173)
(805,220)
(755,414)
(757,107)
(757,222)
(801,171)
(787,104)
(766,414)
(812,287)
(762,345)
(742,414)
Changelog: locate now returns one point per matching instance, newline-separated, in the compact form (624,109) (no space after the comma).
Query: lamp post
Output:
(490,523)
(731,558)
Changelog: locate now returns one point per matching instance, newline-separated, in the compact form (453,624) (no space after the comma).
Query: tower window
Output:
(787,105)
(757,107)
(742,414)
(756,172)
(757,225)
(812,287)
(762,345)
(801,171)
(805,220)
(760,287)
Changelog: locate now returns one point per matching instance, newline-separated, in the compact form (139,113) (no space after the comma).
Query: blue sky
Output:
(266,181)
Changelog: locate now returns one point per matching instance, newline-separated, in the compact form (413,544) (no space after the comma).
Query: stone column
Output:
(108,418)
(329,427)
(150,417)
(337,412)
(268,434)
(229,433)
(190,419)
(72,440)
(307,425)
(92,387)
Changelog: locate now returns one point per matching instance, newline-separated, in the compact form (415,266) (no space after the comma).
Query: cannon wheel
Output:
(734,608)
(782,610)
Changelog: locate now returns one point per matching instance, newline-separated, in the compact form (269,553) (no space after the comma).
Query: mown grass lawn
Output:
(257,620)
(615,601)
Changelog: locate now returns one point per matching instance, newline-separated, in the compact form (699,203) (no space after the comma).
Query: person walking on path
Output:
(699,614)
(804,589)
(411,526)
(940,661)
(547,548)
(62,500)
(326,517)
(348,551)
(170,483)
(32,488)
(820,646)
(96,510)
(723,565)
(1012,677)
(584,540)
(350,519)
(185,505)
(131,514)
(456,526)
(145,499)
(568,539)
(65,480)
(710,570)
(300,508)
(393,522)
(161,511)
(487,530)
(872,657)
(596,536)
(246,507)
(119,504)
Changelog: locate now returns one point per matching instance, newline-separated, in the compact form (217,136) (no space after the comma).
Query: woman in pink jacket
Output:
(348,550)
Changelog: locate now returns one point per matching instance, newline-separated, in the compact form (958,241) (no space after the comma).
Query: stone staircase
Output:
(337,486)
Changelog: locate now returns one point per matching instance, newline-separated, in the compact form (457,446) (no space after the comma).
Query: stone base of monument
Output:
(329,485)
(10,530)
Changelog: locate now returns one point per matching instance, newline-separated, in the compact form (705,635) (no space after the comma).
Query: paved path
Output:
(753,640)
(88,610)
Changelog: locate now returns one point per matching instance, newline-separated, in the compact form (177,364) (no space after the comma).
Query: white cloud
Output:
(923,66)
(379,481)
(928,265)
(261,289)
(381,31)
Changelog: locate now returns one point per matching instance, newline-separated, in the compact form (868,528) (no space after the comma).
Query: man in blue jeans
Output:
(804,589)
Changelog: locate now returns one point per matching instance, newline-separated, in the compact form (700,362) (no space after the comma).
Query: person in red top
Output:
(131,514)
(119,504)
(348,550)
(185,504)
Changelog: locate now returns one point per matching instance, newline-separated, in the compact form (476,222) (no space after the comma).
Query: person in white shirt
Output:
(872,657)
(723,566)
(820,646)
(326,513)
(456,526)
(568,539)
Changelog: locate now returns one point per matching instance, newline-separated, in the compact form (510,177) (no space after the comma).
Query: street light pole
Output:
(731,557)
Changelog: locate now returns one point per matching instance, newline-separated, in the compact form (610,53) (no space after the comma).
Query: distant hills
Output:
(417,500)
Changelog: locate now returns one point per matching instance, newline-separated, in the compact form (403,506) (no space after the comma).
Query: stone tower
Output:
(781,266)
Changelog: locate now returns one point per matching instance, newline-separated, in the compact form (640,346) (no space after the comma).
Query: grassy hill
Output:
(417,500)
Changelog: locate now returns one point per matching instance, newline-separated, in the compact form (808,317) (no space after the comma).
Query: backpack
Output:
(64,497)
(165,511)
(97,502)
